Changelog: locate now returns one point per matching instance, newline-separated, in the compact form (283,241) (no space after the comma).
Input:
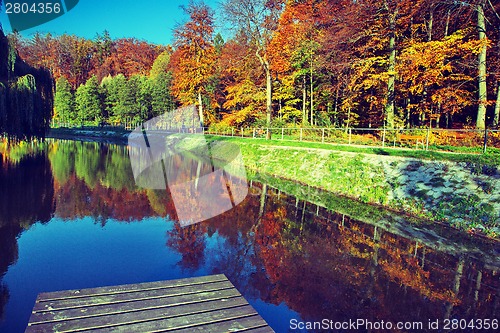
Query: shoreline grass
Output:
(460,154)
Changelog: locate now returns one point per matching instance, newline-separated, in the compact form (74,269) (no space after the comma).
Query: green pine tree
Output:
(64,102)
(142,87)
(123,99)
(161,96)
(88,102)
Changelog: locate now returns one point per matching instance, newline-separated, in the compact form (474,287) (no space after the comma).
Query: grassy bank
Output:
(459,154)
(386,177)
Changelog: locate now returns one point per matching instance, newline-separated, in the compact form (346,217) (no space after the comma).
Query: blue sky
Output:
(150,20)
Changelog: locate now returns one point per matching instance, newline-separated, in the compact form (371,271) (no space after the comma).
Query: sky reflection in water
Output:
(71,217)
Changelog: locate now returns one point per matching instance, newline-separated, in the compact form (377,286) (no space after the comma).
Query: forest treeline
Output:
(370,63)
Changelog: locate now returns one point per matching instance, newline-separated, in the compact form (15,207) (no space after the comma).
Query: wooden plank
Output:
(78,293)
(70,314)
(137,317)
(264,329)
(188,321)
(254,324)
(128,297)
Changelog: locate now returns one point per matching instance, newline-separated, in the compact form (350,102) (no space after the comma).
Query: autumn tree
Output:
(258,19)
(430,72)
(104,48)
(392,13)
(294,48)
(134,56)
(193,59)
(243,99)
(320,62)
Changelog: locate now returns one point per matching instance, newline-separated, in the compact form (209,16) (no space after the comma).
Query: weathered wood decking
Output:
(203,304)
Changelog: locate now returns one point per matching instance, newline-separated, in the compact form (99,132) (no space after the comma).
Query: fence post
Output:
(254,133)
(322,135)
(350,135)
(282,133)
(485,143)
(267,132)
(301,134)
(383,138)
(232,131)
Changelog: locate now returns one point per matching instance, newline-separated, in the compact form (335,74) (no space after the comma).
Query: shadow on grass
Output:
(380,151)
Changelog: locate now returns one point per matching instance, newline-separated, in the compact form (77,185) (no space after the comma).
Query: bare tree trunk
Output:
(497,107)
(269,99)
(200,109)
(269,90)
(481,110)
(389,106)
(447,26)
(348,122)
(336,106)
(280,110)
(408,114)
(304,97)
(311,92)
(429,25)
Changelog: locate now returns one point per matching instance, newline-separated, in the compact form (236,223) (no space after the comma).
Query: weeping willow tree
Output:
(26,96)
(3,107)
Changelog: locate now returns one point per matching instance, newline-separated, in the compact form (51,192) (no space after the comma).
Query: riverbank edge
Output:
(83,134)
(460,195)
(364,177)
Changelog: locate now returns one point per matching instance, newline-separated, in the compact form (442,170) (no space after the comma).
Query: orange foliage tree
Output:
(194,56)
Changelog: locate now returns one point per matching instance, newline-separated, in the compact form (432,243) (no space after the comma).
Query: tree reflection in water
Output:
(273,246)
(26,197)
(326,265)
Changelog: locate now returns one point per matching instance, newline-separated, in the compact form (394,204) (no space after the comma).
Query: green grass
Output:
(326,169)
(459,154)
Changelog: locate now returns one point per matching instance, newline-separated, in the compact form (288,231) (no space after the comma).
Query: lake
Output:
(71,217)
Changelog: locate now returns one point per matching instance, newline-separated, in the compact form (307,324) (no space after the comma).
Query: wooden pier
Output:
(202,304)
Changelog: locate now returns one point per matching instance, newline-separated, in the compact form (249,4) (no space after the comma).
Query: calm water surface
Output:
(71,217)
